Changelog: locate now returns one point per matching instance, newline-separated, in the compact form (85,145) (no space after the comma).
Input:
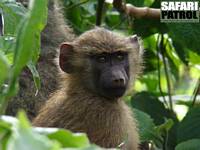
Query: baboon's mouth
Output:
(114,92)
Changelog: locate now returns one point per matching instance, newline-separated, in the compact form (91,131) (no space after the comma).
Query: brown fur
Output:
(108,123)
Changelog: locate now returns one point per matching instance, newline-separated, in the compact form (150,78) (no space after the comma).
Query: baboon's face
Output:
(99,60)
(110,73)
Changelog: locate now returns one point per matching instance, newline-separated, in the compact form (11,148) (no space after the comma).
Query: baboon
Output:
(97,68)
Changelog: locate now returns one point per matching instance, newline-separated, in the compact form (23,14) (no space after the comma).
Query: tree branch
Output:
(136,12)
(99,12)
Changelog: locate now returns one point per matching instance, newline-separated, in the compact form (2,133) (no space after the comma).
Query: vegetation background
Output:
(165,98)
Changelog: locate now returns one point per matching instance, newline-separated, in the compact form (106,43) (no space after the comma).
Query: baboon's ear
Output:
(135,41)
(65,57)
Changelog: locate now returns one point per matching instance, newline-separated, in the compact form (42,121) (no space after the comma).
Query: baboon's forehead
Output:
(101,40)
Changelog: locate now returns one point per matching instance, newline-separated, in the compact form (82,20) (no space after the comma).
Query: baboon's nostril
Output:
(118,82)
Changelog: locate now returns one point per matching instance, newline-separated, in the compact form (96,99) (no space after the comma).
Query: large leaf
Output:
(27,42)
(189,126)
(187,34)
(181,51)
(67,139)
(13,13)
(150,104)
(5,131)
(76,13)
(64,137)
(33,24)
(23,138)
(146,127)
(193,144)
(17,134)
(146,27)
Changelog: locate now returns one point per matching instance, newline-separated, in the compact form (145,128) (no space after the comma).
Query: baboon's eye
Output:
(120,57)
(101,59)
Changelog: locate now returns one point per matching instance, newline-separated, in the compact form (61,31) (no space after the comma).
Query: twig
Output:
(158,66)
(136,12)
(162,48)
(165,147)
(99,12)
(196,91)
(1,23)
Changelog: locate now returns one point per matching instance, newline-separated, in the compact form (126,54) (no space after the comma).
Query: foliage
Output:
(22,47)
(19,135)
(171,60)
(189,145)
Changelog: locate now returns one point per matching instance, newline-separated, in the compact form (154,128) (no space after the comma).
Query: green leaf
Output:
(33,23)
(150,80)
(13,13)
(35,74)
(7,44)
(146,127)
(187,34)
(181,51)
(150,58)
(89,7)
(4,65)
(23,138)
(146,27)
(150,104)
(168,130)
(165,127)
(193,144)
(65,137)
(93,147)
(27,42)
(11,121)
(173,59)
(189,126)
(194,58)
(5,132)
(136,2)
(112,18)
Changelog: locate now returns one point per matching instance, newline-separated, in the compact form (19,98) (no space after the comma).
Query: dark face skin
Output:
(110,73)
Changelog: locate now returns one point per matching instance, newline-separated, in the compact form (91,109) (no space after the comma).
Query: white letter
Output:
(171,6)
(184,6)
(164,6)
(177,5)
(196,6)
(190,5)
